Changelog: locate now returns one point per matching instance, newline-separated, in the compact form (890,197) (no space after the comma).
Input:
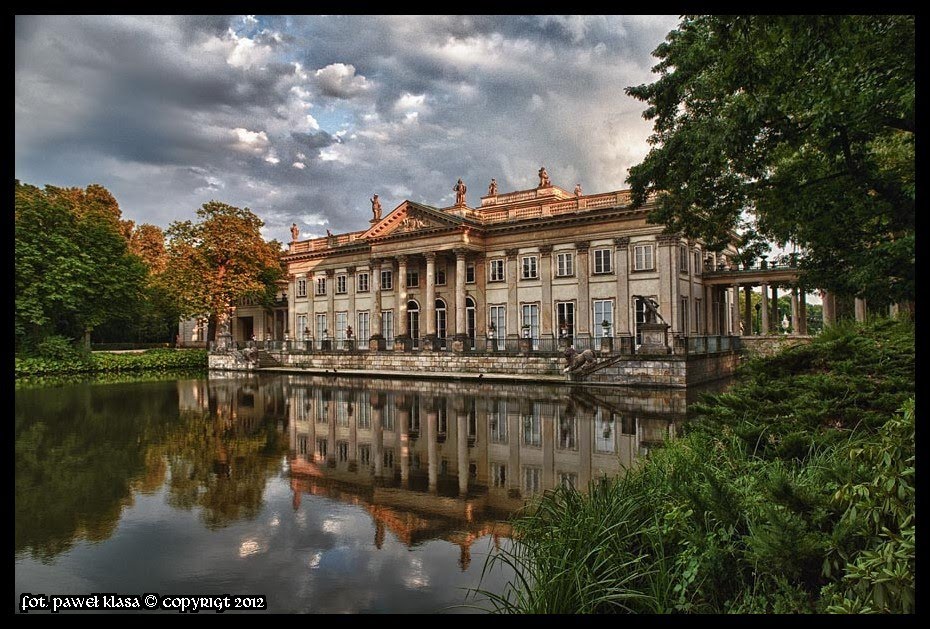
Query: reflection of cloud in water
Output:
(416,578)
(331,526)
(249,547)
(300,518)
(275,520)
(315,560)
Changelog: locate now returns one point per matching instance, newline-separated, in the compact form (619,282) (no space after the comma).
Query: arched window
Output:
(470,319)
(413,321)
(441,330)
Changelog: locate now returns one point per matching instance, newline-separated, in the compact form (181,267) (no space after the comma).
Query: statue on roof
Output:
(376,208)
(460,189)
(492,189)
(295,231)
(544,178)
(577,189)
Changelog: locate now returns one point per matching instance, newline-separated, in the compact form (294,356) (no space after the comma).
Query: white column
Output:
(622,313)
(401,292)
(430,293)
(734,310)
(460,292)
(794,311)
(766,327)
(861,309)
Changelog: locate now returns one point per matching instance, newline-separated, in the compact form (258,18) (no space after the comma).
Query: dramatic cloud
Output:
(303,118)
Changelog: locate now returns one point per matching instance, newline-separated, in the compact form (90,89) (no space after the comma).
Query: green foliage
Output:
(73,267)
(153,359)
(57,347)
(806,122)
(792,492)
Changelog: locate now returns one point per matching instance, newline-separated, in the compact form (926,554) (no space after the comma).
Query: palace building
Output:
(543,264)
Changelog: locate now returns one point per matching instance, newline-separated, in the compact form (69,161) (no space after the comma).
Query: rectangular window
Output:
(497,325)
(342,320)
(362,283)
(413,279)
(568,480)
(321,449)
(387,280)
(530,270)
(603,312)
(603,261)
(496,270)
(565,313)
(683,315)
(604,432)
(302,287)
(529,327)
(697,263)
(568,433)
(642,258)
(321,331)
(321,286)
(387,326)
(364,454)
(470,274)
(532,479)
(342,451)
(683,258)
(498,475)
(441,276)
(342,413)
(363,413)
(497,421)
(362,329)
(698,314)
(565,264)
(340,284)
(303,332)
(387,417)
(532,429)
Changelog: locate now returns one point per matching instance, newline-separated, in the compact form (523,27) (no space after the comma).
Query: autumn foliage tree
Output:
(219,259)
(805,122)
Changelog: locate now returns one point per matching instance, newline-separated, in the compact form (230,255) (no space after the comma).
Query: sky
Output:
(303,118)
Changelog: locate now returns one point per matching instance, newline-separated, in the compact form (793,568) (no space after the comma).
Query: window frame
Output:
(362,286)
(497,264)
(644,247)
(606,255)
(389,275)
(565,264)
(534,267)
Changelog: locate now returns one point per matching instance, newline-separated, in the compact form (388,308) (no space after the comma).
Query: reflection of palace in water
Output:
(440,459)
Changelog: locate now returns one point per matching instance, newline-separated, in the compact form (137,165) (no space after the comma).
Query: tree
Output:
(219,259)
(74,271)
(805,122)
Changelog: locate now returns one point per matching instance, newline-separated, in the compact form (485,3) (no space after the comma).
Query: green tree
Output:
(805,122)
(219,259)
(74,270)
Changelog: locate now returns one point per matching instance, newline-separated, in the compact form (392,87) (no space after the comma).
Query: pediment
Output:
(410,217)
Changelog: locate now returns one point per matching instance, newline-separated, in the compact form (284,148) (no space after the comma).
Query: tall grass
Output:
(806,507)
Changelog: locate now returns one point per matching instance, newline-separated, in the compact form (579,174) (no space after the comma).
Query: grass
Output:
(793,492)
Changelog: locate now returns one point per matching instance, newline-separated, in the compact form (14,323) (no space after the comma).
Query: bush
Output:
(155,359)
(58,348)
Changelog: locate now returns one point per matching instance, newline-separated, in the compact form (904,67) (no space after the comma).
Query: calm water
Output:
(321,494)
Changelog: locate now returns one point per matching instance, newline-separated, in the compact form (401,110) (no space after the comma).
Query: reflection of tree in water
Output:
(221,460)
(80,452)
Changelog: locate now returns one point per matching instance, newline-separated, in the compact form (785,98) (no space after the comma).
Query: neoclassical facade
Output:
(541,263)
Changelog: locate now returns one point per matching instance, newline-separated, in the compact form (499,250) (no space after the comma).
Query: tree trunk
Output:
(211,328)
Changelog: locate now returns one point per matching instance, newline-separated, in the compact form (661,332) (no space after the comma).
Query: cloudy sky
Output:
(303,118)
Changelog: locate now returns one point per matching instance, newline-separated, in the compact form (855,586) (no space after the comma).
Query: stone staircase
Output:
(266,360)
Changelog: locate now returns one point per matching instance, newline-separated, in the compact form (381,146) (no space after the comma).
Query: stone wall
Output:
(655,371)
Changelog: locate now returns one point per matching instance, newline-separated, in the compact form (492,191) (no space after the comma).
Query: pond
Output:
(319,494)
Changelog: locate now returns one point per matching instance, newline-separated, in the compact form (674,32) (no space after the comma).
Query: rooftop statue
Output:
(460,189)
(492,188)
(577,189)
(376,208)
(544,178)
(295,231)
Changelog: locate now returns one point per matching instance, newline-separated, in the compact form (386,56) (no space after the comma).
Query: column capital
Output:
(582,246)
(374,262)
(622,242)
(460,253)
(330,273)
(511,253)
(401,259)
(430,256)
(350,269)
(545,249)
(664,240)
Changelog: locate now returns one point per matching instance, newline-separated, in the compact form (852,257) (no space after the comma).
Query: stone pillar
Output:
(461,443)
(401,292)
(430,295)
(545,276)
(776,320)
(374,285)
(513,297)
(548,436)
(766,323)
(747,310)
(794,310)
(513,454)
(460,329)
(403,439)
(667,246)
(691,318)
(710,318)
(622,311)
(829,307)
(861,309)
(734,311)
(330,304)
(291,308)
(432,455)
(377,433)
(583,318)
(802,312)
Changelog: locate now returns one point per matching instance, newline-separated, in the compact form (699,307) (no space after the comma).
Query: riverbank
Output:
(792,492)
(105,362)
